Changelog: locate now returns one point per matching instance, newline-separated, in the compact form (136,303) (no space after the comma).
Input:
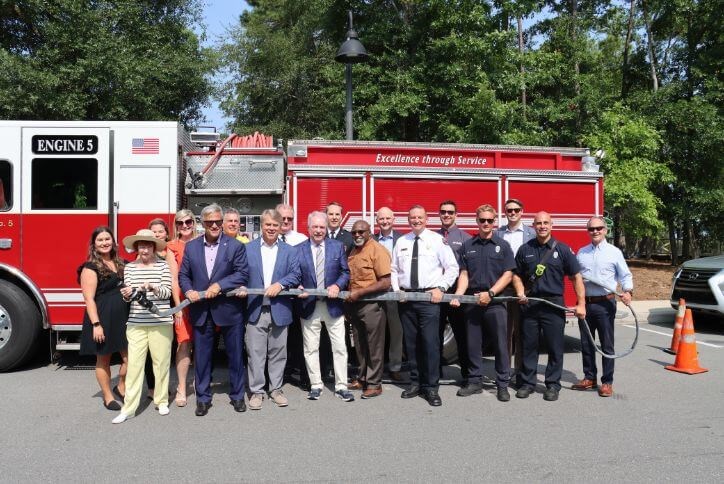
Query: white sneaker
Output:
(120,418)
(163,409)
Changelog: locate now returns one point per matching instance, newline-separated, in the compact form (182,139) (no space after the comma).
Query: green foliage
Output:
(101,60)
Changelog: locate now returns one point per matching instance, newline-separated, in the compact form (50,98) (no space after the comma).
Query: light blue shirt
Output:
(387,242)
(605,263)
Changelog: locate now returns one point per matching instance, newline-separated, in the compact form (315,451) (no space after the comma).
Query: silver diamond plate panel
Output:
(240,174)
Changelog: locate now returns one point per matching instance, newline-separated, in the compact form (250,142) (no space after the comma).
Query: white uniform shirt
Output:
(293,237)
(436,261)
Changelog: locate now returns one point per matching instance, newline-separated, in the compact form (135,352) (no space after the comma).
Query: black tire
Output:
(20,325)
(449,347)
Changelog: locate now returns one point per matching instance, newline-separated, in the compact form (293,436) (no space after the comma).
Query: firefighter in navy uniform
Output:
(541,265)
(486,269)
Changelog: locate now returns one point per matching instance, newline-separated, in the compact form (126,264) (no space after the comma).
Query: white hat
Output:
(143,235)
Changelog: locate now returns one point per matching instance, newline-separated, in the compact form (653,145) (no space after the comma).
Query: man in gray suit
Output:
(388,238)
(516,234)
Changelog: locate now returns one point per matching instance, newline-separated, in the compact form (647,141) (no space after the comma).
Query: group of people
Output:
(513,260)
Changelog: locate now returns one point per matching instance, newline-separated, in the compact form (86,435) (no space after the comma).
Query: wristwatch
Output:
(96,324)
(491,293)
(442,288)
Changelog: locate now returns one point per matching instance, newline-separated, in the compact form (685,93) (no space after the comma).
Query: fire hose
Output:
(402,296)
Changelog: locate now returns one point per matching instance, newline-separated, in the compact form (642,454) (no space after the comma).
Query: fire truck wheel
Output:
(20,325)
(449,347)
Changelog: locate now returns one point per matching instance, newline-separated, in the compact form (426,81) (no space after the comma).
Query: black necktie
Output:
(284,238)
(414,279)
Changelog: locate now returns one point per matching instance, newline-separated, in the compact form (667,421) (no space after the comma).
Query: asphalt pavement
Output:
(658,426)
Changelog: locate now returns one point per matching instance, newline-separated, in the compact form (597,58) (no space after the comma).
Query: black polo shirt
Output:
(562,262)
(485,260)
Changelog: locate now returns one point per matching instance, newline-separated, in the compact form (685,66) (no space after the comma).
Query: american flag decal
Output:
(144,146)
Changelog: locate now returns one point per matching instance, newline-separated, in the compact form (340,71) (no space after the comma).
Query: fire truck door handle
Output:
(114,216)
(6,243)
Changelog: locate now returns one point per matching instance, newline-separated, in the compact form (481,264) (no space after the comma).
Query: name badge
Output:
(497,249)
(555,255)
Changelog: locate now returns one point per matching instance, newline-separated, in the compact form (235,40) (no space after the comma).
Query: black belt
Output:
(423,289)
(595,299)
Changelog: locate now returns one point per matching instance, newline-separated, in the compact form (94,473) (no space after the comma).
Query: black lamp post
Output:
(351,52)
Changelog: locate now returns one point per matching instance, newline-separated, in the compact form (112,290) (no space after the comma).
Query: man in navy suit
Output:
(516,234)
(215,263)
(387,237)
(323,264)
(274,266)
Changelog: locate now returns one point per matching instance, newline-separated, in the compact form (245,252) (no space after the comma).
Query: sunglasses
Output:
(188,223)
(513,210)
(287,219)
(486,220)
(211,223)
(358,232)
(596,229)
(447,212)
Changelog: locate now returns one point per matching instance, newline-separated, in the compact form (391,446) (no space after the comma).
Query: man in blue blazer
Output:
(273,266)
(215,263)
(516,234)
(323,263)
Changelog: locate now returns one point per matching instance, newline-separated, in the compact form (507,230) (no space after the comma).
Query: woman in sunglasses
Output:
(185,225)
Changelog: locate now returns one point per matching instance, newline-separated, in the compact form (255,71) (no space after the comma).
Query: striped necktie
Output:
(319,266)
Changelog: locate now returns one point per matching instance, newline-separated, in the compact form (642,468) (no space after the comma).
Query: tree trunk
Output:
(521,51)
(651,48)
(576,64)
(672,243)
(627,44)
(686,240)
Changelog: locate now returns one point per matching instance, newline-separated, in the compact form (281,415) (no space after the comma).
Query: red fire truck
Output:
(59,180)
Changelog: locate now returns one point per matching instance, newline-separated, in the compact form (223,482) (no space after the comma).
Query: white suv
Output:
(701,283)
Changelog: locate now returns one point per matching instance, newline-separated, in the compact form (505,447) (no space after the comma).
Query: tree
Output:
(102,60)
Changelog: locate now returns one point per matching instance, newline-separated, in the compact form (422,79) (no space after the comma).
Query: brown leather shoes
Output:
(585,384)
(372,393)
(355,385)
(396,376)
(606,390)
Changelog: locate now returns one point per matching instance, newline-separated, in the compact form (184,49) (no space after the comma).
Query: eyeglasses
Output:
(486,220)
(188,223)
(287,219)
(358,232)
(513,210)
(447,212)
(596,229)
(211,223)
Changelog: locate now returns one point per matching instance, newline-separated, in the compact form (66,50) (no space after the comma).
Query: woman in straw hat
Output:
(147,332)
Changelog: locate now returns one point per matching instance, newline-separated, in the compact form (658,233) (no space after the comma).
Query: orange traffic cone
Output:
(687,360)
(678,323)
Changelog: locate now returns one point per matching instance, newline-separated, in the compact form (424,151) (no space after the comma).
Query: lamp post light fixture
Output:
(351,52)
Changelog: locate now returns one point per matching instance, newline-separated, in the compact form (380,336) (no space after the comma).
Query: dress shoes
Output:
(523,392)
(371,393)
(255,401)
(470,389)
(239,405)
(202,408)
(433,398)
(355,385)
(411,392)
(585,384)
(118,393)
(503,395)
(396,376)
(606,390)
(550,395)
(112,405)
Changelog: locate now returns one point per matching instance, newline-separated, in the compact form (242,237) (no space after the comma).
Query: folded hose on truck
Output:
(402,296)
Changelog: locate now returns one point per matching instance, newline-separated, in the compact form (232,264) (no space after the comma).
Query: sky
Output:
(219,15)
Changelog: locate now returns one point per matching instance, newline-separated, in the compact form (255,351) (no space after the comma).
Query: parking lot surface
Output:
(658,426)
